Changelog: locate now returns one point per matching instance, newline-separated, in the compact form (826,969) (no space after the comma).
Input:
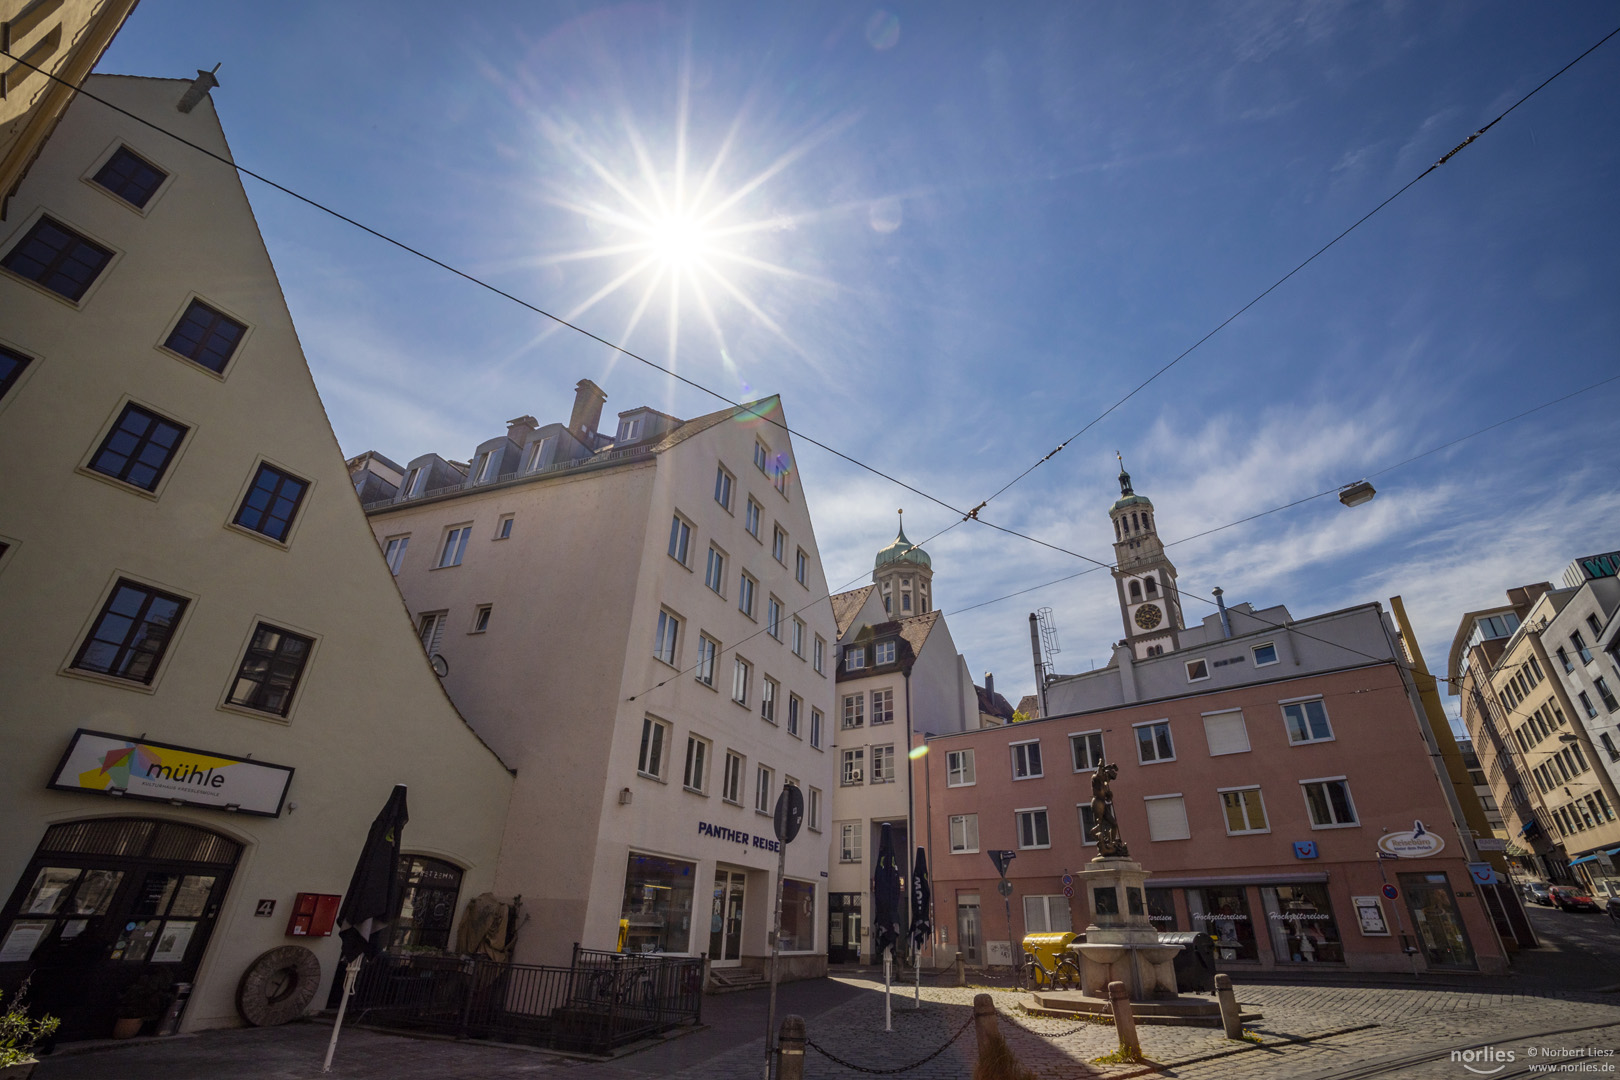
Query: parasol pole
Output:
(888,1009)
(349,978)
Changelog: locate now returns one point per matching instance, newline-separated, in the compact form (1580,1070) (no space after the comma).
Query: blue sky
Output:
(949,235)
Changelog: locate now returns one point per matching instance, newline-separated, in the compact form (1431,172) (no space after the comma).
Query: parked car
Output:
(1566,898)
(1536,892)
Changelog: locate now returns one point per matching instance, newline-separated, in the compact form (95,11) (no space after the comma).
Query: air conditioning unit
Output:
(855,777)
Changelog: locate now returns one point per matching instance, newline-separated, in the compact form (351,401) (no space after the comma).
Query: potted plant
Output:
(142,1000)
(19,1034)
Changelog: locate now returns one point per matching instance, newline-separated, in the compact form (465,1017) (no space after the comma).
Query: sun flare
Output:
(678,240)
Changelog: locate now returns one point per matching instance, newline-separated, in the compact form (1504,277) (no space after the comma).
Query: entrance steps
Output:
(734,980)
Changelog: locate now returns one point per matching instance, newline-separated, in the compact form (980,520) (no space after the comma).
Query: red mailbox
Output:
(313,915)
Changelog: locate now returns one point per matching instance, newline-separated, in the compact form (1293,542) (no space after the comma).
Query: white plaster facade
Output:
(365,710)
(565,675)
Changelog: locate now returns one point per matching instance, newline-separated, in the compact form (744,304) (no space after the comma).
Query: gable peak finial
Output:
(1124,477)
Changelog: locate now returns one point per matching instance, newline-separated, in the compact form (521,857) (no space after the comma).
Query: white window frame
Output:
(481,615)
(1040,762)
(967,825)
(883,653)
(764,789)
(503,527)
(1080,812)
(1348,798)
(667,637)
(818,723)
(1264,813)
(762,456)
(1188,821)
(454,546)
(537,450)
(705,752)
(854,658)
(1282,706)
(655,734)
(394,551)
(680,540)
(795,715)
(773,616)
(430,630)
(853,714)
(488,467)
(882,764)
(747,586)
(1254,654)
(852,767)
(769,691)
(798,637)
(876,710)
(752,517)
(955,774)
(779,539)
(1168,734)
(708,656)
(724,483)
(1018,827)
(731,780)
(801,567)
(1074,745)
(849,841)
(714,570)
(1193,664)
(812,810)
(820,655)
(742,673)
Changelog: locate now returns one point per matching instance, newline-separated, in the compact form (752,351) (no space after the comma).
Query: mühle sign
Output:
(162,772)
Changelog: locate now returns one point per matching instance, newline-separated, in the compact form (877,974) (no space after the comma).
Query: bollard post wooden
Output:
(1119,999)
(1231,1016)
(790,1049)
(985,1028)
(961,971)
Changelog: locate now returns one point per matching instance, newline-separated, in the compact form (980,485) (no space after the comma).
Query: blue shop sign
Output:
(1304,849)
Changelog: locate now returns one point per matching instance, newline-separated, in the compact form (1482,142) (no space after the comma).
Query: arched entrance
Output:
(105,903)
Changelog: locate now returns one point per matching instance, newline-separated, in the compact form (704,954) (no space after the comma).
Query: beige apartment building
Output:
(637,620)
(210,687)
(899,678)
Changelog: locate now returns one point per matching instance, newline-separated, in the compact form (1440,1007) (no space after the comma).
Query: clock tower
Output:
(1144,575)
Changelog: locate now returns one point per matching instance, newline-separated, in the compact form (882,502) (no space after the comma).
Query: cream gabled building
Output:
(210,685)
(899,678)
(637,620)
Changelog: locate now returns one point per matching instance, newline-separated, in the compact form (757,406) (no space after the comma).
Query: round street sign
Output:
(1004,887)
(1390,893)
(1068,891)
(1068,880)
(789,813)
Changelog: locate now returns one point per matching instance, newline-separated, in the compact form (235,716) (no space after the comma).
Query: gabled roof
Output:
(993,703)
(846,605)
(914,629)
(1030,706)
(699,424)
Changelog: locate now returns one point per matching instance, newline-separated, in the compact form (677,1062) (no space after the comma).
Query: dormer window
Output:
(537,452)
(488,466)
(883,653)
(629,430)
(854,658)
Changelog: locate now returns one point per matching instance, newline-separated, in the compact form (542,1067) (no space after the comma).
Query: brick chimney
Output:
(520,429)
(588,401)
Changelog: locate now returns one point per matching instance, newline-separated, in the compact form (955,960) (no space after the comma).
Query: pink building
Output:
(1264,765)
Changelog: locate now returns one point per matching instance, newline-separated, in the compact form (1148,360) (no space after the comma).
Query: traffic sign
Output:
(1068,891)
(1004,887)
(789,813)
(1068,880)
(1390,892)
(1001,857)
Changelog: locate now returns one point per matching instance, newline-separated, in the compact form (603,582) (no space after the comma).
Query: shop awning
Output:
(1583,858)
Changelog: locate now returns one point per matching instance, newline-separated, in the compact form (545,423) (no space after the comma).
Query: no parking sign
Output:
(1390,893)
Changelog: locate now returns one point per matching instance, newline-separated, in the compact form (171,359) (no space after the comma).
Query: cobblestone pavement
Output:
(1306,1031)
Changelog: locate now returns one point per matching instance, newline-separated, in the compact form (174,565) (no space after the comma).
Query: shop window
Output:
(1301,923)
(1223,913)
(658,904)
(1161,907)
(430,888)
(798,916)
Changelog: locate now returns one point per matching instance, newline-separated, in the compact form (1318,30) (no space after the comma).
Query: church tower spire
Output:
(904,575)
(1145,577)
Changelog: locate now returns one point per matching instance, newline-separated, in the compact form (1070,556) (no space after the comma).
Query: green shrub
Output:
(18,1033)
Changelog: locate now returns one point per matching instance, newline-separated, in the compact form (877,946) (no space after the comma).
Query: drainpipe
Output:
(1226,620)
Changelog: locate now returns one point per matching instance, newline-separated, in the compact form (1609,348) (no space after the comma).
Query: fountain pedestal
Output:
(1121,944)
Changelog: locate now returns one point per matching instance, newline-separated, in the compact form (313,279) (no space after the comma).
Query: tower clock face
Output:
(1148,616)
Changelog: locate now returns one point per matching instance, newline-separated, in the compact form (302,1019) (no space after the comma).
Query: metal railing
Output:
(602,1001)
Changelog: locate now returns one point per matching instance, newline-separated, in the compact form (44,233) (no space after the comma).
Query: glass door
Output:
(1440,930)
(725,918)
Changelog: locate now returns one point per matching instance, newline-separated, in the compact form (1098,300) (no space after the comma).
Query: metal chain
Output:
(1101,1021)
(824,1052)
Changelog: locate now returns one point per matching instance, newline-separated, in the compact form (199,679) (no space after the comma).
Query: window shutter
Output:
(1226,733)
(1035,915)
(1167,818)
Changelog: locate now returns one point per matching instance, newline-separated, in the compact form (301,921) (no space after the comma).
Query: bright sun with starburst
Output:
(675,240)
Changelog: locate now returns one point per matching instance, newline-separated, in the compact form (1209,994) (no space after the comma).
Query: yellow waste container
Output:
(1047,949)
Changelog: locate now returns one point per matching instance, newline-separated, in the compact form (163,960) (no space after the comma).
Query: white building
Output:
(638,622)
(899,678)
(210,688)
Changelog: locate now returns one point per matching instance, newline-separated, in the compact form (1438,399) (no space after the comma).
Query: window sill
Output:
(695,791)
(965,851)
(1031,776)
(1310,742)
(124,485)
(650,776)
(680,564)
(113,680)
(1157,761)
(1035,847)
(706,685)
(1346,825)
(970,783)
(1250,832)
(257,714)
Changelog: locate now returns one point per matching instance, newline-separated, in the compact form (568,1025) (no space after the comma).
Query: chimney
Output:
(588,401)
(198,89)
(1226,620)
(989,682)
(520,429)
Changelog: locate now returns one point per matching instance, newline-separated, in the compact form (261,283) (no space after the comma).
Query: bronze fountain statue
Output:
(1105,826)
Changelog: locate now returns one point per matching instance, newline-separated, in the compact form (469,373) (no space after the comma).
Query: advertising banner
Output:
(139,769)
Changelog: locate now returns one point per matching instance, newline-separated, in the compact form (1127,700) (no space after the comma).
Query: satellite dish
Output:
(441,666)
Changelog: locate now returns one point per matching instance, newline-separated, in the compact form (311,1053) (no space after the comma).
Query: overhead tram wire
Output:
(1320,494)
(475,280)
(1279,282)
